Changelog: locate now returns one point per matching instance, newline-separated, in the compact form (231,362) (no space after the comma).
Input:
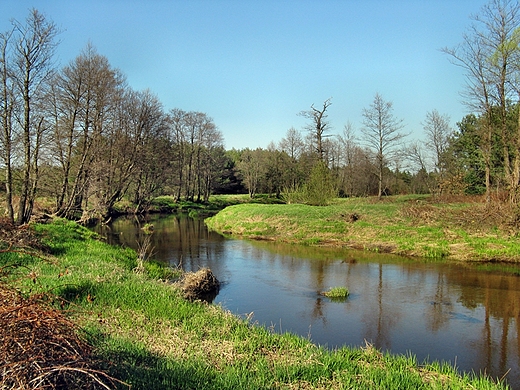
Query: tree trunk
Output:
(24,194)
(515,174)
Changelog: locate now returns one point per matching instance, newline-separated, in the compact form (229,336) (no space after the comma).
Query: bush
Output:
(319,190)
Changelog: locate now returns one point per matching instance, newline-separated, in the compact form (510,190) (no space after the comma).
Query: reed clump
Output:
(200,285)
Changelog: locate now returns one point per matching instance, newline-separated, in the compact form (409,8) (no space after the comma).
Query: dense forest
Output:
(81,136)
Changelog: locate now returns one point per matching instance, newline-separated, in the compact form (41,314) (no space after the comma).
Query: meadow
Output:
(416,226)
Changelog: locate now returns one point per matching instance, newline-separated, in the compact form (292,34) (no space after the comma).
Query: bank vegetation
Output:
(462,228)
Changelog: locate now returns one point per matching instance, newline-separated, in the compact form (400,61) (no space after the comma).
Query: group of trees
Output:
(82,137)
(305,166)
(490,55)
(481,156)
(374,161)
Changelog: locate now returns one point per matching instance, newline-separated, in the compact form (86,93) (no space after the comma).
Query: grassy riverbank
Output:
(145,334)
(465,229)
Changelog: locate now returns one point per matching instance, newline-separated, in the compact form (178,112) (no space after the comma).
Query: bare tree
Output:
(347,140)
(197,145)
(280,170)
(209,149)
(85,94)
(33,51)
(292,143)
(251,167)
(7,106)
(178,139)
(498,32)
(438,132)
(381,132)
(137,121)
(318,126)
(153,169)
(418,157)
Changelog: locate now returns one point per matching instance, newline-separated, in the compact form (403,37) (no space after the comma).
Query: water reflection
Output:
(447,312)
(177,239)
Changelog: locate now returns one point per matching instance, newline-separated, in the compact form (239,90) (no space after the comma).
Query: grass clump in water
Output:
(337,293)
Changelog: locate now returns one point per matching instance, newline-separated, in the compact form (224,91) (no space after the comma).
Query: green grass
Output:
(148,336)
(410,226)
(337,293)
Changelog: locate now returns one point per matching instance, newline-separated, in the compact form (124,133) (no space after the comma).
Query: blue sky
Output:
(253,65)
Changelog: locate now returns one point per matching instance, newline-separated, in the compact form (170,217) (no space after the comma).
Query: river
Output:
(437,311)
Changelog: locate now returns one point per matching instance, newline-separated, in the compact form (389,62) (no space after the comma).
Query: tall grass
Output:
(148,336)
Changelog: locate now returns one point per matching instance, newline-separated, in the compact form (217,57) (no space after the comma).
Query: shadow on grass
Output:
(133,364)
(77,292)
(11,261)
(139,368)
(143,370)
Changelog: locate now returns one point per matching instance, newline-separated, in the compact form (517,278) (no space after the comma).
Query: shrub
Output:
(319,190)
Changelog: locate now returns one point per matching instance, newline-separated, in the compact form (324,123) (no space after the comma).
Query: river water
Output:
(436,311)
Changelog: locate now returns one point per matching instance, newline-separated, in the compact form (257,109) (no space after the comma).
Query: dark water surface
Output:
(445,312)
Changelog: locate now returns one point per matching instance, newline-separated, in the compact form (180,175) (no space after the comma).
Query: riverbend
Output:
(437,310)
(146,335)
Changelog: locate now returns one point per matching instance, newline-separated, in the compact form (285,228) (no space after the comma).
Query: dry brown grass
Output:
(40,348)
(199,285)
(20,237)
(471,216)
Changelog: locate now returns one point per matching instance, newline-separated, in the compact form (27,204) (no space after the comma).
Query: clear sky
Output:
(253,65)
